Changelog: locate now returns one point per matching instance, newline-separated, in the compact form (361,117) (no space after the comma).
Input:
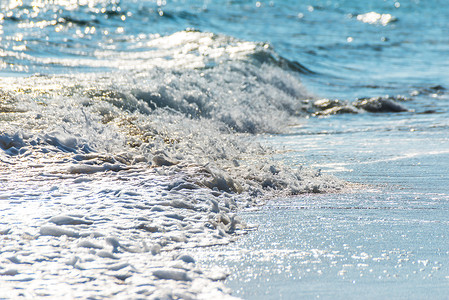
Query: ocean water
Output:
(133,133)
(387,239)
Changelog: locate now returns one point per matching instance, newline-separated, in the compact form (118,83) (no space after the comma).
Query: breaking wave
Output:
(190,102)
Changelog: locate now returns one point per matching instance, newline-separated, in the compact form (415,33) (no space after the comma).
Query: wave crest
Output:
(162,111)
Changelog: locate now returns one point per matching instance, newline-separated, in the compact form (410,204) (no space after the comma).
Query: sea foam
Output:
(127,170)
(163,115)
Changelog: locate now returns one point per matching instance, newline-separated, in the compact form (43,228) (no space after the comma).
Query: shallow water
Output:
(385,239)
(369,244)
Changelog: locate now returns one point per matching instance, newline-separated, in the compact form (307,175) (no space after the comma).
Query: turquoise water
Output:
(353,51)
(386,239)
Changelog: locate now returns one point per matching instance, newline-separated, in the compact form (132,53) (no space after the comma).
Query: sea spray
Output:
(182,117)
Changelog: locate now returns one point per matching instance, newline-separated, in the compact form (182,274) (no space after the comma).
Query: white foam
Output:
(58,231)
(134,167)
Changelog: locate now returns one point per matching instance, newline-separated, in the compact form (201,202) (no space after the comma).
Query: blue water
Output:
(325,36)
(386,239)
(197,82)
(350,55)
